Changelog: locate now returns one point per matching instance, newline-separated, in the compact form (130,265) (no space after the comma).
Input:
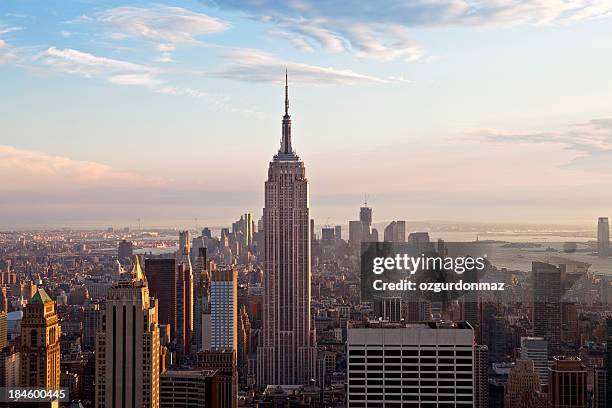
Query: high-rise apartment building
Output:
(536,350)
(287,350)
(224,309)
(423,364)
(40,343)
(603,236)
(547,305)
(128,347)
(567,383)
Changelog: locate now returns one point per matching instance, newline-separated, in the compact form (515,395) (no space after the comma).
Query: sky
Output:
(169,112)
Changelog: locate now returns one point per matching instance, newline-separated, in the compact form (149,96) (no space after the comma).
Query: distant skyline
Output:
(437,110)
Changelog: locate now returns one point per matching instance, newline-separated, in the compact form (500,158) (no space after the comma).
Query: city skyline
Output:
(121,112)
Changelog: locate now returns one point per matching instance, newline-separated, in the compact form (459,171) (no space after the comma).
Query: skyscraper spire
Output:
(286,93)
(286,152)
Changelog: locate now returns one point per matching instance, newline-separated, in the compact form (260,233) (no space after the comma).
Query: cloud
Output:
(7,51)
(167,26)
(371,31)
(120,72)
(77,62)
(592,141)
(30,170)
(257,66)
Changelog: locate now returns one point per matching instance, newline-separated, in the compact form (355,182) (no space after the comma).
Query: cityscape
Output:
(429,227)
(268,313)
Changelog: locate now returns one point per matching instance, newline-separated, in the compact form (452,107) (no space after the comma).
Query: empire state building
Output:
(288,350)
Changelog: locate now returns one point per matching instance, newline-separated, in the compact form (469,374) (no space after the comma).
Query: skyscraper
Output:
(536,350)
(162,275)
(224,309)
(40,343)
(395,231)
(410,364)
(481,376)
(567,383)
(547,305)
(603,236)
(288,349)
(523,384)
(125,251)
(128,348)
(184,295)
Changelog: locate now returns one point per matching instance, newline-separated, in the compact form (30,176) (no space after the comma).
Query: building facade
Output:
(287,351)
(128,347)
(431,364)
(40,343)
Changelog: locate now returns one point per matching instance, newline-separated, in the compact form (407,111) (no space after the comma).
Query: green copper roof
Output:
(40,297)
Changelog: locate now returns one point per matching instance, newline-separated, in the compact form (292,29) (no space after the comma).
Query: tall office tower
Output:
(365,216)
(603,236)
(327,236)
(547,305)
(481,377)
(189,389)
(223,360)
(567,383)
(224,309)
(162,277)
(244,336)
(184,295)
(338,232)
(248,230)
(599,387)
(523,384)
(3,329)
(128,347)
(3,300)
(287,351)
(40,343)
(536,350)
(470,311)
(355,233)
(92,321)
(201,293)
(388,308)
(430,364)
(395,232)
(125,252)
(609,358)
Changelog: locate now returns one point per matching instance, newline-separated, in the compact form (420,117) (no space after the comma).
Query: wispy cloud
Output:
(77,62)
(166,26)
(121,72)
(256,66)
(7,51)
(592,141)
(29,170)
(371,31)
